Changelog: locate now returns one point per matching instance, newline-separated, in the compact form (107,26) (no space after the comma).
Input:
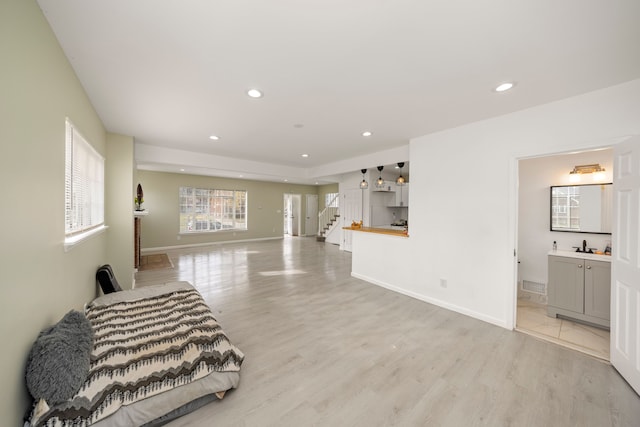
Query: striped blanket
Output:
(143,348)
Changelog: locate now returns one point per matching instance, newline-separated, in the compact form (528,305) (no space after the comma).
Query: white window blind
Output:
(84,185)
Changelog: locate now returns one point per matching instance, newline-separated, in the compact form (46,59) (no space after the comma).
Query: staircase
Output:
(327,219)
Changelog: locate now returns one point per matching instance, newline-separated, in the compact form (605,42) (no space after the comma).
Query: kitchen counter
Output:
(377,230)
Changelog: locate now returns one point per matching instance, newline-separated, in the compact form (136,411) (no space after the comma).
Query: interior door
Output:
(625,275)
(311,217)
(350,210)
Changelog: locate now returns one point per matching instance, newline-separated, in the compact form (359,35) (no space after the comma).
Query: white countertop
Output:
(581,255)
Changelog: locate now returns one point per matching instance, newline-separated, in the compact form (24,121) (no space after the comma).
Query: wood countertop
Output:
(399,233)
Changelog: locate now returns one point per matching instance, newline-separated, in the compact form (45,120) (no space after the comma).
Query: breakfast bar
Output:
(388,231)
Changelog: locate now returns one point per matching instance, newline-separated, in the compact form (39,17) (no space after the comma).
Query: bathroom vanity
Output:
(579,286)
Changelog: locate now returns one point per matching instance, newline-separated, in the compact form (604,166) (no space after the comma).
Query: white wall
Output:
(535,239)
(463,213)
(350,182)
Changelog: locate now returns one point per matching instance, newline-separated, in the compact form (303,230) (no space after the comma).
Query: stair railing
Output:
(328,216)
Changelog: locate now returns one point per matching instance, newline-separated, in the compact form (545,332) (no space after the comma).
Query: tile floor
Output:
(532,319)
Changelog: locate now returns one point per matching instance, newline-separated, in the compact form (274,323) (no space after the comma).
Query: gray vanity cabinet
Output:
(566,283)
(597,289)
(580,289)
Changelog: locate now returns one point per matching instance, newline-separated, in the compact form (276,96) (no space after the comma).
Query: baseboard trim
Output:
(434,301)
(197,245)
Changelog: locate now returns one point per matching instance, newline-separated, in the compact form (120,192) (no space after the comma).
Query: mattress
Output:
(158,352)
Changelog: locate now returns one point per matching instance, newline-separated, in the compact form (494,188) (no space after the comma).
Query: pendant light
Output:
(380,181)
(364,184)
(400,180)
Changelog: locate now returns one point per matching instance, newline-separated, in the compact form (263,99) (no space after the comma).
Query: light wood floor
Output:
(325,349)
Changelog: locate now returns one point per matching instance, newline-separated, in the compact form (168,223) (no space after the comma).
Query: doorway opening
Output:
(292,214)
(535,241)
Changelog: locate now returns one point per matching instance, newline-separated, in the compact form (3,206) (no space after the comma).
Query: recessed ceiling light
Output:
(366,133)
(214,137)
(504,86)
(254,93)
(286,180)
(181,170)
(305,155)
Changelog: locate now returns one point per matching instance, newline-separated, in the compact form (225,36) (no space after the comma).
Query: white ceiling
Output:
(171,73)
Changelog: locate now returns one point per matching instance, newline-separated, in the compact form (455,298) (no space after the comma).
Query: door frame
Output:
(514,196)
(292,207)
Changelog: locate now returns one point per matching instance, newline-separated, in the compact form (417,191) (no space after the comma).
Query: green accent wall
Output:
(39,281)
(265,216)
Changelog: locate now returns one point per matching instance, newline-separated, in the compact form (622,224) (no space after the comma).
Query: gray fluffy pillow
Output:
(58,362)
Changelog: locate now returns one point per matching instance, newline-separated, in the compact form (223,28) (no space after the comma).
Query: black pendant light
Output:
(400,180)
(380,181)
(364,184)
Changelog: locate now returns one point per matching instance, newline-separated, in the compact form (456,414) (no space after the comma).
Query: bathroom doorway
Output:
(535,241)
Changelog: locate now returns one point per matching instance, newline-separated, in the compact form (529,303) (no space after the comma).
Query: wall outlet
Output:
(443,283)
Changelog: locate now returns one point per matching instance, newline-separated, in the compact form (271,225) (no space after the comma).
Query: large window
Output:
(84,187)
(209,210)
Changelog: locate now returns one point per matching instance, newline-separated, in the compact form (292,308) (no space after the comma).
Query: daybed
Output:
(157,353)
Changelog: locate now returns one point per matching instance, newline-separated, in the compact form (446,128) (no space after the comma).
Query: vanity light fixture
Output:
(364,184)
(380,181)
(400,180)
(595,169)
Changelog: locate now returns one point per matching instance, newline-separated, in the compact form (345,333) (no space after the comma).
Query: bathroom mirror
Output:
(582,208)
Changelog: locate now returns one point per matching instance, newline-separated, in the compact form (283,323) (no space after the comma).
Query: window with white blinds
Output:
(84,185)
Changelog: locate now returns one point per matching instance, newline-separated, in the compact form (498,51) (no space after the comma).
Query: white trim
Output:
(209,232)
(72,241)
(195,245)
(434,301)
